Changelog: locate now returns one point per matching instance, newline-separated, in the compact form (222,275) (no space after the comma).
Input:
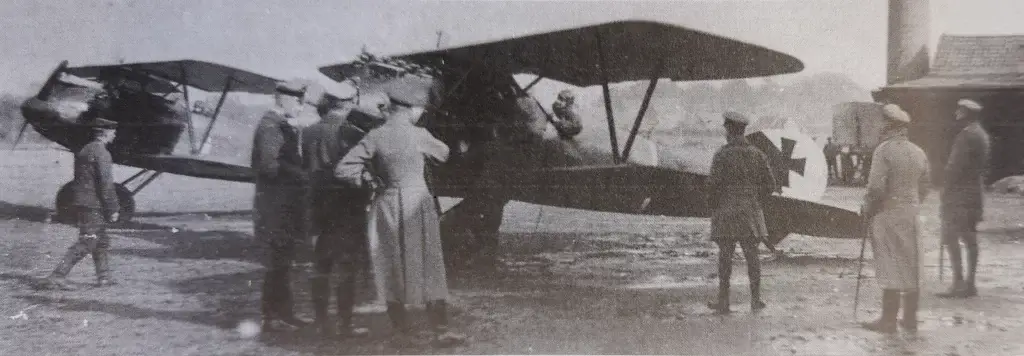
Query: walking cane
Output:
(860,266)
(942,252)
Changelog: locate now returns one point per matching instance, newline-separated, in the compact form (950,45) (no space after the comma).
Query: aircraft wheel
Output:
(65,213)
(127,202)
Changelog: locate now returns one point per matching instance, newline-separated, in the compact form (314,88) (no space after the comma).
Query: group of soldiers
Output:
(365,190)
(845,163)
(898,181)
(359,187)
(356,185)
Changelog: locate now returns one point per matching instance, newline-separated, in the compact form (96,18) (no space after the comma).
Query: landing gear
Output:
(65,212)
(470,233)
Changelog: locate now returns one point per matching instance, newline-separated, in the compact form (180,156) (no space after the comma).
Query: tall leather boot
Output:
(437,314)
(101,259)
(890,308)
(971,290)
(56,279)
(721,305)
(754,275)
(910,305)
(320,290)
(396,312)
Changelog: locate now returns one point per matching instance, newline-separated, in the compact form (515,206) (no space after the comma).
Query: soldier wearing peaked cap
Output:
(897,184)
(280,205)
(404,226)
(962,200)
(95,199)
(740,181)
(339,215)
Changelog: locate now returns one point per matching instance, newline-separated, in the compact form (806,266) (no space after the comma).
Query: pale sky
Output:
(288,39)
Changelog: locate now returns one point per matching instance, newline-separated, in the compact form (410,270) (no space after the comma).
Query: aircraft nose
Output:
(35,110)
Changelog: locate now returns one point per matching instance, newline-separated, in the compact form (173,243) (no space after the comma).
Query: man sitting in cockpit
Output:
(567,120)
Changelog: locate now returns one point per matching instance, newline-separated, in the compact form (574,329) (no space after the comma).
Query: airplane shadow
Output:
(23,212)
(200,245)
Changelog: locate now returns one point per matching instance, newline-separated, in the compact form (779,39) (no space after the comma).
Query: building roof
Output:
(974,62)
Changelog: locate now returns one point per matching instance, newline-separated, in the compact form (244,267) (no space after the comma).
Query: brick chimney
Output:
(909,28)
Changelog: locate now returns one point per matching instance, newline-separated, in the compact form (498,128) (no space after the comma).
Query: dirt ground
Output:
(575,282)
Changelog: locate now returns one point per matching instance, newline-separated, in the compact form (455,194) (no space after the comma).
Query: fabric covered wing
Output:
(631,50)
(210,77)
(188,166)
(656,191)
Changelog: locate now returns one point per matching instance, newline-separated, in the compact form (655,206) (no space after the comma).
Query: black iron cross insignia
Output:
(781,161)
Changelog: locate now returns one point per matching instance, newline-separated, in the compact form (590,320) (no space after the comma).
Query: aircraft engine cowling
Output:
(796,160)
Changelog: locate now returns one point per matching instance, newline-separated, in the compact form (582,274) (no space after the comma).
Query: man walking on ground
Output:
(962,199)
(740,181)
(897,184)
(96,203)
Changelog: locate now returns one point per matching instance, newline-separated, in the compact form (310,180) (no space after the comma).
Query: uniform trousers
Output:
(92,239)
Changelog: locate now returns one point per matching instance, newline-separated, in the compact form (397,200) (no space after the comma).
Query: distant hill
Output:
(692,108)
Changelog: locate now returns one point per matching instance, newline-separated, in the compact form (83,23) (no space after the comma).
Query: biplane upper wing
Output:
(189,166)
(206,76)
(612,52)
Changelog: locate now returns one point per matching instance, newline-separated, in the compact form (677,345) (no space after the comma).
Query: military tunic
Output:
(281,181)
(280,208)
(404,232)
(740,179)
(897,183)
(93,185)
(338,209)
(962,199)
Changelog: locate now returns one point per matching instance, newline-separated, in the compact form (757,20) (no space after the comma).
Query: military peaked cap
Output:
(969,105)
(291,88)
(893,112)
(735,117)
(406,96)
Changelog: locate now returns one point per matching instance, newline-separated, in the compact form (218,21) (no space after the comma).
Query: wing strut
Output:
(216,112)
(643,109)
(188,113)
(534,82)
(607,99)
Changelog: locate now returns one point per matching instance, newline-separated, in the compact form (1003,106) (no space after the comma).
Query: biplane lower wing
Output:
(189,166)
(648,190)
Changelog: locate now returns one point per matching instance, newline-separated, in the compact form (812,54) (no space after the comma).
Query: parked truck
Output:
(857,128)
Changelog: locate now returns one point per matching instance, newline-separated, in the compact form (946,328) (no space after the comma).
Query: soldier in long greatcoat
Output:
(962,199)
(897,184)
(95,200)
(404,232)
(280,206)
(740,181)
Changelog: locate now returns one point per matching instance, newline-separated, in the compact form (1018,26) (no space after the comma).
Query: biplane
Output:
(503,147)
(500,136)
(158,129)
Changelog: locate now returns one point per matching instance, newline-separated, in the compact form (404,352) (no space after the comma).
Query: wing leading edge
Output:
(207,76)
(631,50)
